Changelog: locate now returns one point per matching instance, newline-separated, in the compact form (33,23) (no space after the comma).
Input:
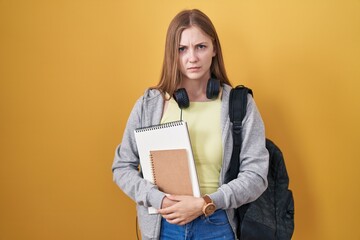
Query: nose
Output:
(192,56)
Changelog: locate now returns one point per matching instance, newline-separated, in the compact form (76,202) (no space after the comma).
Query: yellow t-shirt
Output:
(203,120)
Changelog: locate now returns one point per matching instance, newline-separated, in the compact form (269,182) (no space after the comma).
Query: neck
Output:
(196,89)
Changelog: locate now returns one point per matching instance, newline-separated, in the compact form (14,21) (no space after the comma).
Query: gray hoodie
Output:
(249,185)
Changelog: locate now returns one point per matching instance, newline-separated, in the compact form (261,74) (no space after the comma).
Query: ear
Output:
(214,50)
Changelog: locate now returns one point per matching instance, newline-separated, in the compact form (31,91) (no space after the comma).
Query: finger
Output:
(174,221)
(167,202)
(162,211)
(171,217)
(166,211)
(171,197)
(182,223)
(176,197)
(178,221)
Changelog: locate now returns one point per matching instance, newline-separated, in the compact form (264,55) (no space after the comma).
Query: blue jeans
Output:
(216,226)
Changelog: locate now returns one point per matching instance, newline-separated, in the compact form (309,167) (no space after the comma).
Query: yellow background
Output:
(71,70)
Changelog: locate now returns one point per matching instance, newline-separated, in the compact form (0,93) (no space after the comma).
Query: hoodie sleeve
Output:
(251,181)
(126,164)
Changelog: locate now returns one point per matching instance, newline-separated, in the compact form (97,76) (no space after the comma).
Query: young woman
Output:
(193,62)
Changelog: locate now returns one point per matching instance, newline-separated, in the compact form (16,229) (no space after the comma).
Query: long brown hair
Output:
(170,75)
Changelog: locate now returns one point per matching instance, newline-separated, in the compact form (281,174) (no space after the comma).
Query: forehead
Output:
(193,35)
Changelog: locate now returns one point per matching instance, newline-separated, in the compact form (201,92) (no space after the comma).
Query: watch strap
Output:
(207,199)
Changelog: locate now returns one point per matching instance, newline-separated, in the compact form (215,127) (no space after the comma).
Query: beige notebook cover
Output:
(171,171)
(167,136)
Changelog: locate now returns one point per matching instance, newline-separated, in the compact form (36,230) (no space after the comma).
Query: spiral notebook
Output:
(167,136)
(171,171)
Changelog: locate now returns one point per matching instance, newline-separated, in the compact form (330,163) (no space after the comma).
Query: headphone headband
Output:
(212,92)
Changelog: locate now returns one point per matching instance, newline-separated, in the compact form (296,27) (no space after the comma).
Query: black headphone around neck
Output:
(212,91)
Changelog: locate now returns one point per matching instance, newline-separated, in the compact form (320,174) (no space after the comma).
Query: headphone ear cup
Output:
(212,88)
(182,98)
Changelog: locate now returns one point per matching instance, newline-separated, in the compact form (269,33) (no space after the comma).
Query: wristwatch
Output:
(209,207)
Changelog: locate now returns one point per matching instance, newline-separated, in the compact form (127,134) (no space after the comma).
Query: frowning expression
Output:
(196,52)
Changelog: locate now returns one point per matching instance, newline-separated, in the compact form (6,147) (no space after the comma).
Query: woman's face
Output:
(196,51)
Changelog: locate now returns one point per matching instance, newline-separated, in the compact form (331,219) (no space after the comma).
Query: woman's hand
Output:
(167,202)
(181,209)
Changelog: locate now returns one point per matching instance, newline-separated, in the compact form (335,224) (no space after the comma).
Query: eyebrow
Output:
(200,43)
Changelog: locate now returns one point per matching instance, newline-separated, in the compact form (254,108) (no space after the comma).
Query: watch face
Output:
(210,208)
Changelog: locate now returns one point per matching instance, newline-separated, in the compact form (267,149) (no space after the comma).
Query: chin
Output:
(196,76)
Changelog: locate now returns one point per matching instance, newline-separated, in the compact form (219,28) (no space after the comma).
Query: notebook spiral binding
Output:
(160,126)
(153,168)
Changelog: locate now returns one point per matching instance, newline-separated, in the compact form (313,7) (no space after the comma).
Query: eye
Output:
(182,49)
(201,46)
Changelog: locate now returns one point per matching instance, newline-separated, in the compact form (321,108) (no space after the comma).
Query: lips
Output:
(193,69)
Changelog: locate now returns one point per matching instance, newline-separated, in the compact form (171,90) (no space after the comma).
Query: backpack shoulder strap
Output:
(237,112)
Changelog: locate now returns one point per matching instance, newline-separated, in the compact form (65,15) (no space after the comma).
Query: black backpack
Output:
(271,216)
